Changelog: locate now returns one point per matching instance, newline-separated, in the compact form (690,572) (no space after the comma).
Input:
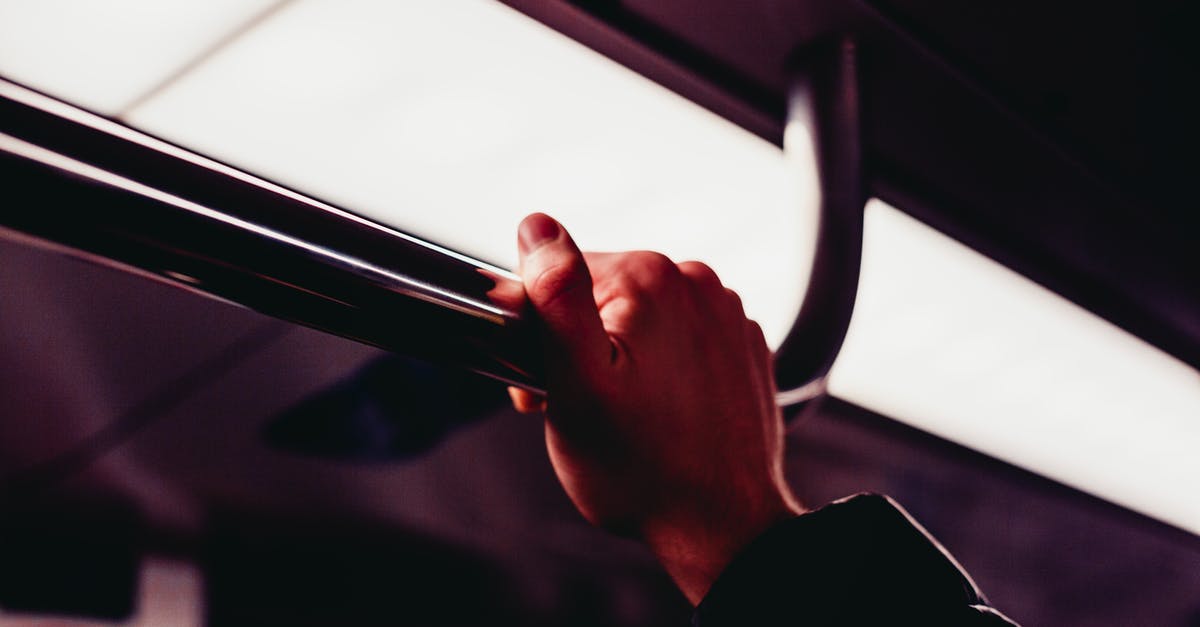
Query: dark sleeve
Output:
(859,561)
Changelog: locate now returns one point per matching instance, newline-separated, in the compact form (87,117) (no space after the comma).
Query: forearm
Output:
(695,547)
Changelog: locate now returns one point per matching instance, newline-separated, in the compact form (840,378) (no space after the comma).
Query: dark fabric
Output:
(859,561)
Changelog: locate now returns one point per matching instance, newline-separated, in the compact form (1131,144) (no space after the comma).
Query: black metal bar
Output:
(678,50)
(98,189)
(824,103)
(663,56)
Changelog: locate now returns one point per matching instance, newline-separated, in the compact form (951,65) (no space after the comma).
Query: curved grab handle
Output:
(823,116)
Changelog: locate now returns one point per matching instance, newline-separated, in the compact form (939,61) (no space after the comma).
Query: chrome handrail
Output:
(96,188)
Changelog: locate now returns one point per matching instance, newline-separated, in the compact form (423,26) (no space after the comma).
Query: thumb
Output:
(559,286)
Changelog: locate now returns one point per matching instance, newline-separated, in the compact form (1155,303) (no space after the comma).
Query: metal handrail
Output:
(824,102)
(96,188)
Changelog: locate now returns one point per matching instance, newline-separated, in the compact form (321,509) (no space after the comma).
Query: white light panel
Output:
(104,54)
(955,344)
(453,119)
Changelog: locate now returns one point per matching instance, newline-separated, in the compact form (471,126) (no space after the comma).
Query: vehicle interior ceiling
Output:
(309,479)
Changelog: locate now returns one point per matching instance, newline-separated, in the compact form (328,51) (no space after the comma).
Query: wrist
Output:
(695,545)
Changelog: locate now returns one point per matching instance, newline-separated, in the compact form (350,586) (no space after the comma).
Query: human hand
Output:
(661,420)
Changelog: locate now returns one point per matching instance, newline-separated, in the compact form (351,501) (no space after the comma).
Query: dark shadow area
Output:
(393,408)
(73,554)
(289,571)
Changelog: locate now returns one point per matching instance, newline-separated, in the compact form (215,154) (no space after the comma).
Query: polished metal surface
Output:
(824,118)
(98,189)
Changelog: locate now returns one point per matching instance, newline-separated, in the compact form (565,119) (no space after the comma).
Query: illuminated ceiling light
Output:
(105,55)
(955,344)
(454,119)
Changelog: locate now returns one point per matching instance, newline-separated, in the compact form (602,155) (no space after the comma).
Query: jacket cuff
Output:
(859,559)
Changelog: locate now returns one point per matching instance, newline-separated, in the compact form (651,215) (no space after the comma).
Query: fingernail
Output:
(535,231)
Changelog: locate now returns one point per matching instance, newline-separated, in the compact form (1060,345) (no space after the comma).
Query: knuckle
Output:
(735,301)
(701,274)
(651,270)
(648,259)
(755,330)
(627,314)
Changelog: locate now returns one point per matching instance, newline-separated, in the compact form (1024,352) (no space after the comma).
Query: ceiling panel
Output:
(955,344)
(452,120)
(104,55)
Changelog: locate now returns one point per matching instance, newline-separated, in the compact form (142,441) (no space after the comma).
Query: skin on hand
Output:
(661,420)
